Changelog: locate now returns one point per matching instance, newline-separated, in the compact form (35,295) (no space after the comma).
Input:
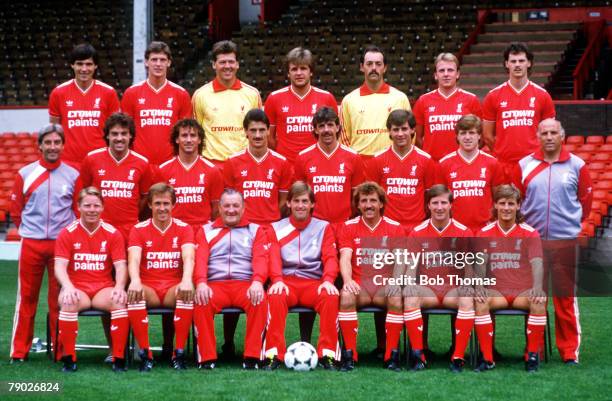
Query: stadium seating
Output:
(482,68)
(41,38)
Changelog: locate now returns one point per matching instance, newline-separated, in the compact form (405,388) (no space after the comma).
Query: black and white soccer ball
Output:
(301,356)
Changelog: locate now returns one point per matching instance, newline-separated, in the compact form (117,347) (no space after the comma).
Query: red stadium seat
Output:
(588,229)
(21,135)
(609,139)
(597,166)
(595,218)
(6,175)
(18,158)
(596,204)
(595,139)
(594,174)
(599,194)
(603,184)
(606,175)
(571,147)
(10,142)
(5,167)
(576,139)
(601,157)
(29,158)
(7,184)
(26,142)
(3,158)
(28,150)
(606,147)
(603,208)
(5,193)
(13,235)
(588,147)
(584,156)
(7,135)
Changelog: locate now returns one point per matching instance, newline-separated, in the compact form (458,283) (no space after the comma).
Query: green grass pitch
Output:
(95,381)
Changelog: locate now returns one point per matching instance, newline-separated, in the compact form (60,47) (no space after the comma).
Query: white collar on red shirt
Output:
(329,155)
(402,157)
(450,221)
(372,229)
(158,229)
(300,98)
(91,233)
(261,159)
(160,88)
(449,96)
(122,159)
(518,92)
(466,160)
(506,233)
(187,166)
(93,82)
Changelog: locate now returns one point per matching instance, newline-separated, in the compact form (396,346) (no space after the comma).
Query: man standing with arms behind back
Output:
(558,195)
(42,204)
(82,104)
(156,104)
(512,111)
(436,112)
(221,104)
(291,108)
(365,109)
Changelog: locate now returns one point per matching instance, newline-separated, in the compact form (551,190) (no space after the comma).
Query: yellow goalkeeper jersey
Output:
(220,111)
(364,117)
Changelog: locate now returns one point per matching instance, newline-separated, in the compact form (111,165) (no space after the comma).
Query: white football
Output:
(301,356)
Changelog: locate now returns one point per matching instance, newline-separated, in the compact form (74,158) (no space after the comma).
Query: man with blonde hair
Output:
(291,108)
(436,112)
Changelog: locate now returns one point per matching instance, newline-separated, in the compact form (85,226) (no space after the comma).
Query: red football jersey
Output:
(472,184)
(516,115)
(260,181)
(82,115)
(510,254)
(90,254)
(405,181)
(364,241)
(154,113)
(292,117)
(436,245)
(122,183)
(332,178)
(161,257)
(196,186)
(438,115)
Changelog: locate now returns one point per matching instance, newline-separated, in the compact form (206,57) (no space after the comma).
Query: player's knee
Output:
(347,301)
(538,309)
(68,308)
(275,299)
(115,305)
(481,308)
(412,302)
(466,304)
(394,304)
(327,298)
